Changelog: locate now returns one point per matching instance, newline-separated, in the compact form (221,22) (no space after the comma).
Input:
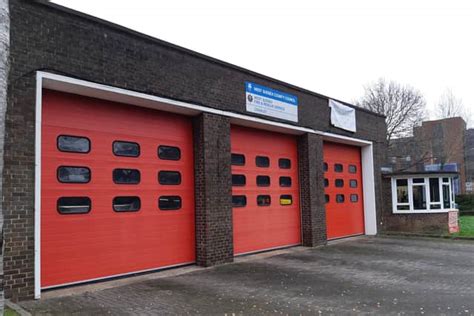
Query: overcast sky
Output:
(330,47)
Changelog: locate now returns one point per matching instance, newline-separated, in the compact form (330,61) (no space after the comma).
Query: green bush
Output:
(465,203)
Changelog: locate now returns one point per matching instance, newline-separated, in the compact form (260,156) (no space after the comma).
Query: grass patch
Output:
(9,312)
(466,225)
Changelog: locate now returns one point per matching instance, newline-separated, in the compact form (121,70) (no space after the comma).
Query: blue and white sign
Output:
(270,102)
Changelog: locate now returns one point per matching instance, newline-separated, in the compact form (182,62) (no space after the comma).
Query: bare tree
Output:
(451,106)
(403,106)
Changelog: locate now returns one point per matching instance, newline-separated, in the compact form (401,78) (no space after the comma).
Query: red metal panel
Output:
(103,242)
(347,218)
(263,227)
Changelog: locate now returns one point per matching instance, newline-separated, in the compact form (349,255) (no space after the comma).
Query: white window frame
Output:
(426,184)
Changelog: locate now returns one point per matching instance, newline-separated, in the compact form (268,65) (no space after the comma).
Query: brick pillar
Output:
(213,186)
(313,212)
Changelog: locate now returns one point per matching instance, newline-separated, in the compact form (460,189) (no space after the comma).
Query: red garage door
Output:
(343,190)
(265,192)
(117,189)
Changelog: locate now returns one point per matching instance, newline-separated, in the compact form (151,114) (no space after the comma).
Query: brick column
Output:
(213,190)
(313,212)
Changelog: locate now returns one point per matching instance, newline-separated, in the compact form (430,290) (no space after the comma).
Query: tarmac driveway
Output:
(367,275)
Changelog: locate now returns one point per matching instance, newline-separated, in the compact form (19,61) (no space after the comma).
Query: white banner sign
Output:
(342,116)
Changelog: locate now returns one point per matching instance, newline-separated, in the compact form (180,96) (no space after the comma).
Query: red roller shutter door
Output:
(259,227)
(343,190)
(77,245)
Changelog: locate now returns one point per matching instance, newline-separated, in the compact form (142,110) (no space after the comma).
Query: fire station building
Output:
(126,154)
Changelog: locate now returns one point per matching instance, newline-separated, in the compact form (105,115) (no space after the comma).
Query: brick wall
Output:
(45,37)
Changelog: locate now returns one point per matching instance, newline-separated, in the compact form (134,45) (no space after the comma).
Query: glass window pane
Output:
(126,176)
(284,163)
(286,199)
(419,197)
(74,174)
(340,198)
(238,180)
(126,204)
(403,207)
(169,177)
(264,200)
(446,196)
(354,198)
(326,198)
(352,169)
(285,181)
(126,149)
(169,153)
(418,180)
(239,200)
(402,190)
(74,205)
(338,167)
(73,144)
(435,206)
(446,180)
(353,183)
(262,161)
(325,166)
(339,183)
(263,181)
(326,182)
(238,159)
(434,190)
(169,203)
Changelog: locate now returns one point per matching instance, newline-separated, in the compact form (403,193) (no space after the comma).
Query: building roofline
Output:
(419,173)
(190,52)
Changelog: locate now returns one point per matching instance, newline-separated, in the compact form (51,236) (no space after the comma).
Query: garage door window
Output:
(286,199)
(74,174)
(239,200)
(126,204)
(264,200)
(126,176)
(338,167)
(74,144)
(339,183)
(354,198)
(326,198)
(262,161)
(169,177)
(238,160)
(238,180)
(169,153)
(352,169)
(325,166)
(74,205)
(284,163)
(126,149)
(285,182)
(326,182)
(340,198)
(169,203)
(353,183)
(263,181)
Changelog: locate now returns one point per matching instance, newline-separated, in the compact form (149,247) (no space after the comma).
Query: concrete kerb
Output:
(17,308)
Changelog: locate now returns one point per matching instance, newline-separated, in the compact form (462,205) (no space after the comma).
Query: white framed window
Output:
(422,194)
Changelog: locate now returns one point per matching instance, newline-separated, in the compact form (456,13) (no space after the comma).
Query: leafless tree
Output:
(403,106)
(451,106)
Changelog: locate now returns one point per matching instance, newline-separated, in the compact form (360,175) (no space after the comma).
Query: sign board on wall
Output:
(343,116)
(270,102)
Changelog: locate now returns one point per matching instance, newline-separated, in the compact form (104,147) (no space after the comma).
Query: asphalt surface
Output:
(384,276)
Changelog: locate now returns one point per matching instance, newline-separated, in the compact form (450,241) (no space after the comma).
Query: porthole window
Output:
(74,205)
(126,176)
(263,181)
(284,163)
(338,167)
(354,198)
(352,169)
(286,199)
(169,177)
(74,144)
(238,180)
(262,161)
(326,182)
(353,183)
(264,200)
(325,166)
(126,204)
(126,149)
(340,198)
(339,183)
(74,174)
(169,153)
(285,181)
(238,160)
(326,198)
(169,203)
(239,200)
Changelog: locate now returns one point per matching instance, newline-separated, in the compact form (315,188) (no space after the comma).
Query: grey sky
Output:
(331,47)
